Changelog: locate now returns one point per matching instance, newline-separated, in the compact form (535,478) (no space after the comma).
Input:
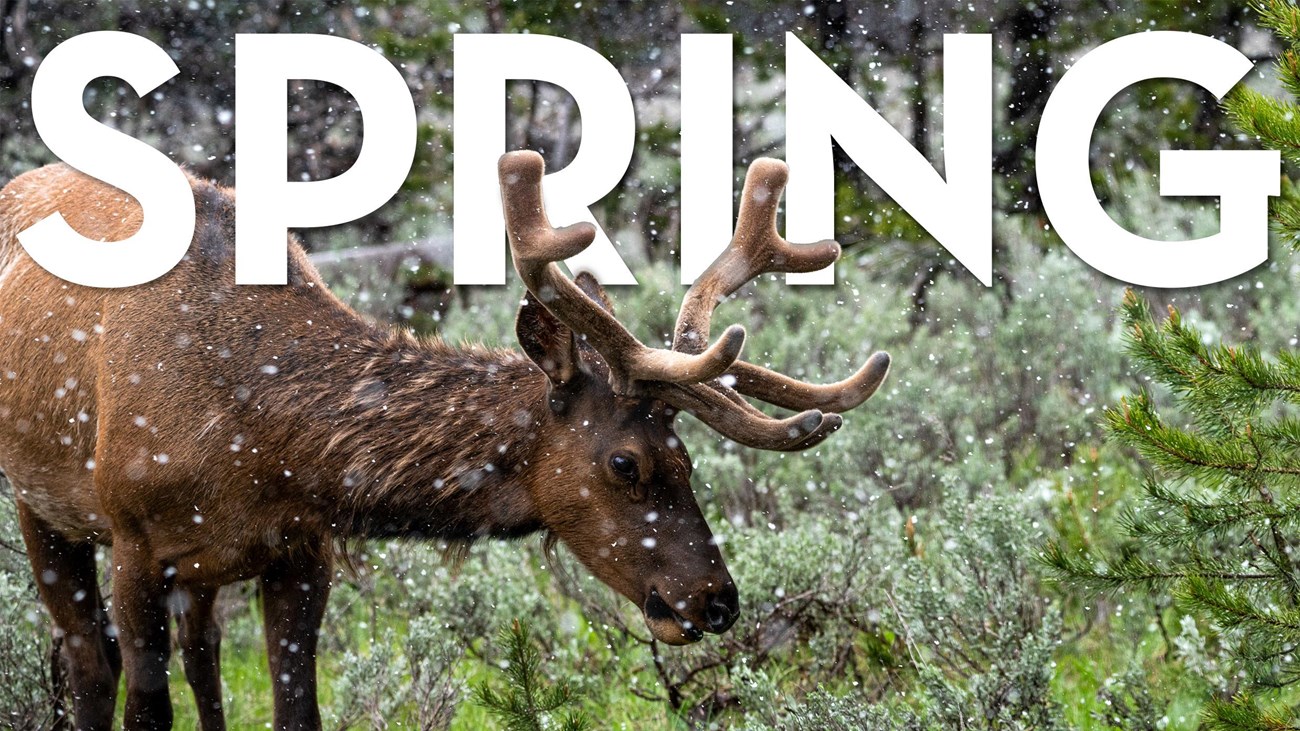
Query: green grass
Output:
(1082,667)
(248,698)
(247,687)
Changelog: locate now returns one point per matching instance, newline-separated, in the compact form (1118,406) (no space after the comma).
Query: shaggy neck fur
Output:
(429,440)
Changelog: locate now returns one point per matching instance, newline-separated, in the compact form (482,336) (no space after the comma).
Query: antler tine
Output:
(789,393)
(521,196)
(756,249)
(536,246)
(743,423)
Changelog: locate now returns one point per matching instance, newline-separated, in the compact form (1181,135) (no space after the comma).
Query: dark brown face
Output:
(621,496)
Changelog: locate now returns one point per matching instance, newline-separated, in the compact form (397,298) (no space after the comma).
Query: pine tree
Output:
(528,702)
(1220,517)
(1275,123)
(1219,523)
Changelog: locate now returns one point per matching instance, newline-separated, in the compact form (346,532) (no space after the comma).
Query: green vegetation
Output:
(888,577)
(526,703)
(1215,529)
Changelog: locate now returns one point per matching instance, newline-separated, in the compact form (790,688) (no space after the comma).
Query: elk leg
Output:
(200,642)
(294,594)
(65,580)
(140,590)
(108,636)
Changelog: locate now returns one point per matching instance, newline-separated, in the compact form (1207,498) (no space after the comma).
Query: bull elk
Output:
(213,433)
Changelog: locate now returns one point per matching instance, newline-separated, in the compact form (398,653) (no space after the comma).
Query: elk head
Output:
(614,482)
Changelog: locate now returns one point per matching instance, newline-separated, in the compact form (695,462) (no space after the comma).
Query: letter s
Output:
(71,133)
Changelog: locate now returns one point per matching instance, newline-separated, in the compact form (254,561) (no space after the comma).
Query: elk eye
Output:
(624,466)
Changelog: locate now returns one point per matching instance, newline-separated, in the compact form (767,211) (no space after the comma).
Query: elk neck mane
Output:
(422,432)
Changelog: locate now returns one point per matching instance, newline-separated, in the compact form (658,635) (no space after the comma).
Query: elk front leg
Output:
(140,590)
(200,642)
(294,594)
(65,580)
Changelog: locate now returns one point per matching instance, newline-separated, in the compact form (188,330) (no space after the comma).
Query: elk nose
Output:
(722,610)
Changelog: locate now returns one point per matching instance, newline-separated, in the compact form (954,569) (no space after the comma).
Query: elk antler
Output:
(686,377)
(536,246)
(758,249)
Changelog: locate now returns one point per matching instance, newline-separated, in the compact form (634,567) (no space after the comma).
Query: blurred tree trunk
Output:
(835,50)
(1210,118)
(919,53)
(1031,83)
(18,43)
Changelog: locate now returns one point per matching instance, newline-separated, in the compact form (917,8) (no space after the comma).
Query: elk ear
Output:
(586,281)
(548,343)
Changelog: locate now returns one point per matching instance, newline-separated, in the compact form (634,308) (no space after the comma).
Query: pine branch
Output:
(1285,212)
(1177,517)
(1213,461)
(1283,18)
(527,704)
(1132,571)
(1211,379)
(1271,121)
(1241,714)
(1235,610)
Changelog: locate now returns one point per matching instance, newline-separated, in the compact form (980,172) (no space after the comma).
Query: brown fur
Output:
(213,432)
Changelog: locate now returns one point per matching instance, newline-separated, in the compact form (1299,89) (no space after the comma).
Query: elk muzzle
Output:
(677,618)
